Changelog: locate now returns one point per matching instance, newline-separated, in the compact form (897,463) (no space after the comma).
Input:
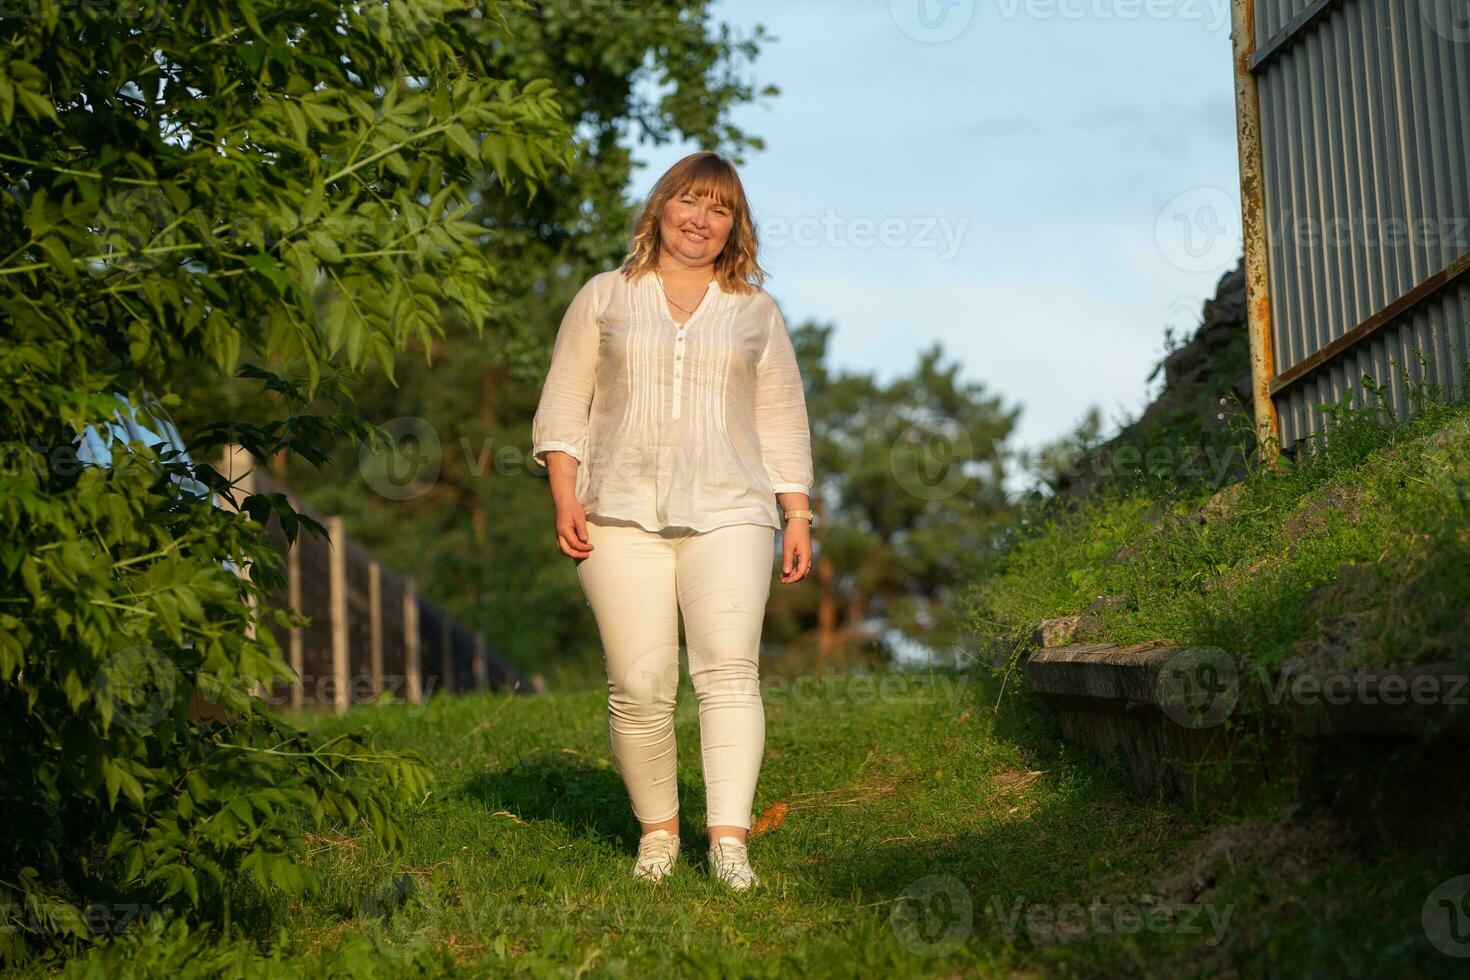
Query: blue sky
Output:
(1039,185)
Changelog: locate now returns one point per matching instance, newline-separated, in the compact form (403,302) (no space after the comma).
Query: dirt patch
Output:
(1292,847)
(1320,510)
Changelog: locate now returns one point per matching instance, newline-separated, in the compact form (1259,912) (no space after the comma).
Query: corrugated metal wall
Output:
(1365,146)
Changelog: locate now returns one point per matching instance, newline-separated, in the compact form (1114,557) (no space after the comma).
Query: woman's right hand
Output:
(571,529)
(571,519)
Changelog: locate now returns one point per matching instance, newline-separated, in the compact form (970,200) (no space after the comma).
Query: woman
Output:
(672,425)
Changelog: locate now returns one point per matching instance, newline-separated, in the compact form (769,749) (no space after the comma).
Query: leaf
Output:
(130,785)
(324,248)
(61,259)
(221,341)
(37,104)
(297,119)
(247,11)
(211,286)
(770,818)
(518,155)
(112,779)
(460,137)
(394,162)
(315,201)
(495,148)
(268,270)
(7,100)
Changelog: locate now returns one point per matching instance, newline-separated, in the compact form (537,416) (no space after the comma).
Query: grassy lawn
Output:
(926,834)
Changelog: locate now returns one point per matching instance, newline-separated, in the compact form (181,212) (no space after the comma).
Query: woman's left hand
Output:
(796,550)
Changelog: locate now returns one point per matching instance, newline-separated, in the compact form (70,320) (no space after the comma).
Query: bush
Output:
(280,176)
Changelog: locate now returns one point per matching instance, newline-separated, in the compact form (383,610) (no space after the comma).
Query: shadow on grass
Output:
(582,798)
(1016,845)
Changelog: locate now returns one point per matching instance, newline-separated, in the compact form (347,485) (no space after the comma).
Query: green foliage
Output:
(164,947)
(293,174)
(184,182)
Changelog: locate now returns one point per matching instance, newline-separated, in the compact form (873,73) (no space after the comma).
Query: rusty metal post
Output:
(1254,228)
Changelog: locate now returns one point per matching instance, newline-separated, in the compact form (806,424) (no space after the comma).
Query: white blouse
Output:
(696,425)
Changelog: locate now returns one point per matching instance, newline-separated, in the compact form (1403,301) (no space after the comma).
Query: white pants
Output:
(637,581)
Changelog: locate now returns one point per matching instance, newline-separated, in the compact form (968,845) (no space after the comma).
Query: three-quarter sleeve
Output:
(780,413)
(563,413)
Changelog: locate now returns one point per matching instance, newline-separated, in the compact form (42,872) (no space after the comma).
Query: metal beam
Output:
(1440,280)
(1288,34)
(1253,228)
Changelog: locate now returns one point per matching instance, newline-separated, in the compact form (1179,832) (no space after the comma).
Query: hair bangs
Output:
(713,177)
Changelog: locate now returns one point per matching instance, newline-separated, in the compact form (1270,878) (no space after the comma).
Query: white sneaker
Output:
(730,863)
(657,852)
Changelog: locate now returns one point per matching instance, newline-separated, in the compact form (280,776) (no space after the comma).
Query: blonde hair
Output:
(699,173)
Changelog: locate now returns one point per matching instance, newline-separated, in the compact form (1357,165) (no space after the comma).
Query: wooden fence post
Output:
(446,653)
(245,486)
(375,626)
(413,684)
(337,581)
(482,662)
(340,610)
(296,642)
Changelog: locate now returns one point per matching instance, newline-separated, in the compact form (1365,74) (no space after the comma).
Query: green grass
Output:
(1372,521)
(520,859)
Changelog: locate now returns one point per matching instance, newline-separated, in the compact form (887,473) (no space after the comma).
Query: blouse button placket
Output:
(679,356)
(678,368)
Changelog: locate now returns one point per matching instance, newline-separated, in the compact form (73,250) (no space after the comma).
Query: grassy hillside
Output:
(936,827)
(1364,536)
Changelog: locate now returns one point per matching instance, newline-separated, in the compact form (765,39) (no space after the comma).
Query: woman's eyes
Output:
(686,199)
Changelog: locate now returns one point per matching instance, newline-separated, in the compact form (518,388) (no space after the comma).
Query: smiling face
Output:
(694,228)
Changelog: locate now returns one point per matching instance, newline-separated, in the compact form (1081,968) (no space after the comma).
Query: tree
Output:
(909,494)
(184,182)
(475,532)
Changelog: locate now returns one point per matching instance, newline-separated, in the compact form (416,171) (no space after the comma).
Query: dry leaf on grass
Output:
(770,818)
